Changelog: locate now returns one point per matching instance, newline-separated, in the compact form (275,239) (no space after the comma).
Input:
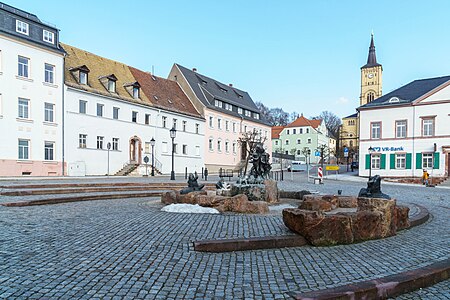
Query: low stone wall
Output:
(238,203)
(373,218)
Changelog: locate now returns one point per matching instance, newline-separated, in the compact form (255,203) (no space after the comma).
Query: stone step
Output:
(98,184)
(94,189)
(52,199)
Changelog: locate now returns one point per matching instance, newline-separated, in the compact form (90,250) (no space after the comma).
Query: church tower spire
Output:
(371,77)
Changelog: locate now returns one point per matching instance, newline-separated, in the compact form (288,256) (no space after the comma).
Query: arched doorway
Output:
(135,150)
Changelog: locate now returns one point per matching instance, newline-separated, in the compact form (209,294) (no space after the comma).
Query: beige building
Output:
(371,89)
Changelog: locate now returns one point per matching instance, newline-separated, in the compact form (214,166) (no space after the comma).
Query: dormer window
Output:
(48,36)
(112,86)
(83,79)
(81,74)
(135,92)
(109,82)
(22,27)
(133,89)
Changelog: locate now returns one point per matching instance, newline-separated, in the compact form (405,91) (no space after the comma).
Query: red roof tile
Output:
(276,130)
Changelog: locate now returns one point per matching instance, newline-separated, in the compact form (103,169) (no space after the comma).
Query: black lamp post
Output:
(370,160)
(108,146)
(173,134)
(152,143)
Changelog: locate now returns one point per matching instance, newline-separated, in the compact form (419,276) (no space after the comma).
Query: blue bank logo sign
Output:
(388,149)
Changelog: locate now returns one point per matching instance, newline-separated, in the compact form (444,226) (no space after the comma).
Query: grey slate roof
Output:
(372,58)
(8,17)
(351,116)
(408,93)
(208,90)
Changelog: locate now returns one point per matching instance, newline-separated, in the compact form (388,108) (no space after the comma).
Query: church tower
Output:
(371,77)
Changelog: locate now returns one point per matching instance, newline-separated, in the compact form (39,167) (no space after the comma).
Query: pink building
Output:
(229,112)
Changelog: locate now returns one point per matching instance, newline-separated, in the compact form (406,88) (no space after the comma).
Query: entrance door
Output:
(135,150)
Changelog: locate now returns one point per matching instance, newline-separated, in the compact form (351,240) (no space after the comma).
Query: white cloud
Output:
(342,100)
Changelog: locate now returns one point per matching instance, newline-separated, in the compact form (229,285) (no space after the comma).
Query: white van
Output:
(297,166)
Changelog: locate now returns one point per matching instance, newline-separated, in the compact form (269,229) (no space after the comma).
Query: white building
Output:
(408,130)
(108,102)
(31,95)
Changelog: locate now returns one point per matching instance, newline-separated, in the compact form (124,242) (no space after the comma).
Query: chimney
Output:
(230,84)
(194,69)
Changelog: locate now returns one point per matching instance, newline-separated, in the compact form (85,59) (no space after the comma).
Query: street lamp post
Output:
(108,146)
(173,134)
(152,143)
(370,161)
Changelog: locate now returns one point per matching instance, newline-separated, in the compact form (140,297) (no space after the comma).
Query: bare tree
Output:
(279,117)
(250,139)
(264,111)
(332,122)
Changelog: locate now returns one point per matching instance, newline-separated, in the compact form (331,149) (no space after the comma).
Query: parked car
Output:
(354,165)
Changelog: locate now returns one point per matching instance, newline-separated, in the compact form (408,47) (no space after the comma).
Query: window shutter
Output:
(383,161)
(418,160)
(367,161)
(436,160)
(392,160)
(408,160)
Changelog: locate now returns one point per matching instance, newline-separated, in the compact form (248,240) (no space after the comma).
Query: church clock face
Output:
(370,75)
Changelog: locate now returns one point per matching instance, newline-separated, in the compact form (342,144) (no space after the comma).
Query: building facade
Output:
(31,95)
(113,112)
(407,131)
(229,113)
(299,137)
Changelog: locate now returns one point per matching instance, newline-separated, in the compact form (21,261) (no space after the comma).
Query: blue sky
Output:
(302,56)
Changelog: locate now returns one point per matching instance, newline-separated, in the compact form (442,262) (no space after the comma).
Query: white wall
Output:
(413,143)
(96,160)
(33,88)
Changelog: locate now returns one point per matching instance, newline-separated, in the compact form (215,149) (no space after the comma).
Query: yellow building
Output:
(371,89)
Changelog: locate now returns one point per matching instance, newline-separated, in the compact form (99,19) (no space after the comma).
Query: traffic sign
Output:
(317,153)
(332,168)
(345,149)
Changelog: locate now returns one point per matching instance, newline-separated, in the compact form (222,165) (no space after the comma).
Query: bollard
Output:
(185,173)
(202,172)
(206,173)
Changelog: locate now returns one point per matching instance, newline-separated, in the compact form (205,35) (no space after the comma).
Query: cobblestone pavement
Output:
(130,249)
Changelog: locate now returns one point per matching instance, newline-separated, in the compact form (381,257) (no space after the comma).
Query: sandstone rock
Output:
(386,207)
(271,195)
(402,220)
(293,195)
(347,202)
(169,197)
(241,204)
(190,198)
(331,199)
(315,204)
(367,225)
(333,230)
(299,220)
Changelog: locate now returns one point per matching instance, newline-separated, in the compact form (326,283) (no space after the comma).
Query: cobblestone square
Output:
(129,249)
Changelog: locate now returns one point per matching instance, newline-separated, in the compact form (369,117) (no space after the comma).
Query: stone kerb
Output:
(332,220)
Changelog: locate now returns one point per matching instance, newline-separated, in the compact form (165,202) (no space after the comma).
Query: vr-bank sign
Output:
(388,149)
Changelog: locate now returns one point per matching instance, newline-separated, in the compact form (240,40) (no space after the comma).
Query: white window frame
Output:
(49,150)
(111,85)
(211,144)
(49,112)
(184,125)
(22,27)
(135,92)
(24,149)
(376,161)
(148,118)
(184,149)
(49,73)
(197,128)
(375,130)
(164,121)
(115,144)
(428,127)
(427,160)
(400,161)
(82,106)
(100,140)
(116,112)
(82,140)
(83,77)
(100,108)
(23,67)
(24,108)
(134,116)
(211,122)
(400,129)
(48,36)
